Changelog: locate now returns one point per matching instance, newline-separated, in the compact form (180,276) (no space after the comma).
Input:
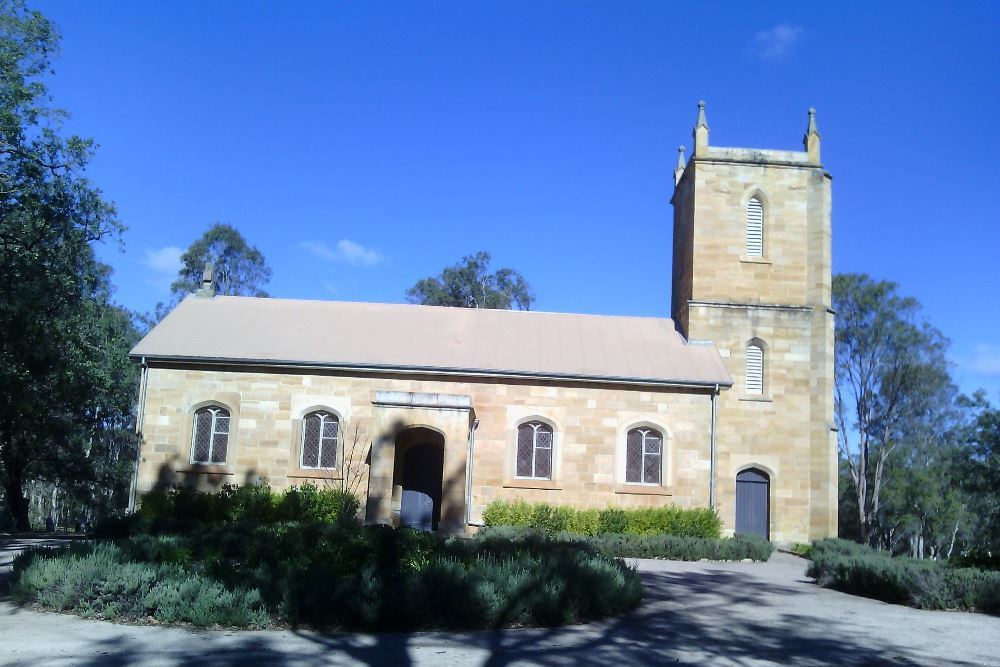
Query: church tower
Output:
(752,274)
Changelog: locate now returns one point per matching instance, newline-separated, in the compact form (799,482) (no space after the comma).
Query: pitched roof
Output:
(428,339)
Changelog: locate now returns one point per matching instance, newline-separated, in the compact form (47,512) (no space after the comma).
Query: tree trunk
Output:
(954,534)
(18,502)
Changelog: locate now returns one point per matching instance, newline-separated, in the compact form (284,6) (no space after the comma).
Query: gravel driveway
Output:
(694,614)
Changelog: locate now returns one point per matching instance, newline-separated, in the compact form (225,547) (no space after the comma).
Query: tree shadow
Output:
(705,616)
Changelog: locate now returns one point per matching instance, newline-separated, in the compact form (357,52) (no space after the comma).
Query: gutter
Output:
(143,377)
(468,472)
(439,370)
(711,474)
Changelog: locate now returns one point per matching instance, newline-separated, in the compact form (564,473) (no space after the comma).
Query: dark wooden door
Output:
(753,505)
(420,506)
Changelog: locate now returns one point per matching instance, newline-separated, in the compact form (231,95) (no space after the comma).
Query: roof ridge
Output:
(228,297)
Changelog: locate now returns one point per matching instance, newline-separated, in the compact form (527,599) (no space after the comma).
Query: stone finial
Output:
(702,121)
(679,170)
(701,132)
(207,281)
(811,139)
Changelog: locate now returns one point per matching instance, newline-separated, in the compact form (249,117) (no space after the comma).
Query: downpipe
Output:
(144,376)
(468,472)
(711,473)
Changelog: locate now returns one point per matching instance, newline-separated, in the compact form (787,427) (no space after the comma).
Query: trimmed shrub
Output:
(372,578)
(684,522)
(859,570)
(619,545)
(612,520)
(177,510)
(98,581)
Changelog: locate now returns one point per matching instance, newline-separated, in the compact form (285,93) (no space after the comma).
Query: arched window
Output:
(755,367)
(210,440)
(320,433)
(643,456)
(755,228)
(534,450)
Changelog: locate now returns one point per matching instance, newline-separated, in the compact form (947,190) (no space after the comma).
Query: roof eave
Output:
(436,370)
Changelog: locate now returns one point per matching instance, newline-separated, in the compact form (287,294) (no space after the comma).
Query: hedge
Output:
(374,578)
(856,569)
(669,547)
(180,509)
(681,522)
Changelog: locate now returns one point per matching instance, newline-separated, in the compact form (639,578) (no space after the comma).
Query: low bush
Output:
(99,581)
(859,570)
(682,522)
(670,547)
(372,578)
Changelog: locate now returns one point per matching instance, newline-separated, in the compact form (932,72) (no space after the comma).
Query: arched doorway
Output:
(418,471)
(753,503)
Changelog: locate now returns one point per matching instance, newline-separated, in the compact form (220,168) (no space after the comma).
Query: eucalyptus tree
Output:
(65,379)
(891,374)
(240,268)
(470,284)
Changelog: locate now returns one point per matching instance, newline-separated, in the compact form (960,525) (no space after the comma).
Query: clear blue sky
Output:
(362,146)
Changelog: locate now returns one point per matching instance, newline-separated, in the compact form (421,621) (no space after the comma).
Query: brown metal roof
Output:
(461,341)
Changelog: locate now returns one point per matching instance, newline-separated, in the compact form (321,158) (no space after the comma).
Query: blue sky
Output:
(362,146)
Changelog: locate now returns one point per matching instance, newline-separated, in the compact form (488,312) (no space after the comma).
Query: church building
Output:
(434,412)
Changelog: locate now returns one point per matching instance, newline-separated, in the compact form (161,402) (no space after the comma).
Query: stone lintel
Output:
(411,399)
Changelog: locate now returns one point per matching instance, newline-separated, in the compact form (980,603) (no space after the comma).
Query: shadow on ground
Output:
(704,617)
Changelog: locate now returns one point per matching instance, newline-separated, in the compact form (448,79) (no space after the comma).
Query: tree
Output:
(469,284)
(65,380)
(240,268)
(353,468)
(979,466)
(891,372)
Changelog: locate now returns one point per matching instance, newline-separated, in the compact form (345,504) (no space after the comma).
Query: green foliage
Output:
(894,397)
(620,545)
(859,570)
(63,342)
(240,268)
(612,520)
(99,581)
(978,475)
(684,522)
(469,284)
(372,578)
(255,503)
(800,549)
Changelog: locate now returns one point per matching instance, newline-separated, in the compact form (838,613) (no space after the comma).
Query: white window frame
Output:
(645,431)
(215,411)
(535,426)
(324,417)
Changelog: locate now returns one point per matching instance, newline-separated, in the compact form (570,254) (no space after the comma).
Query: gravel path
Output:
(739,614)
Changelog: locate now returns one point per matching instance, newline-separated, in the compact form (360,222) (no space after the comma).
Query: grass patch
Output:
(858,570)
(374,578)
(802,549)
(681,522)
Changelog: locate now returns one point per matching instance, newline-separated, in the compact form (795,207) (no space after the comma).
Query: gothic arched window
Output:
(534,450)
(210,437)
(643,456)
(320,434)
